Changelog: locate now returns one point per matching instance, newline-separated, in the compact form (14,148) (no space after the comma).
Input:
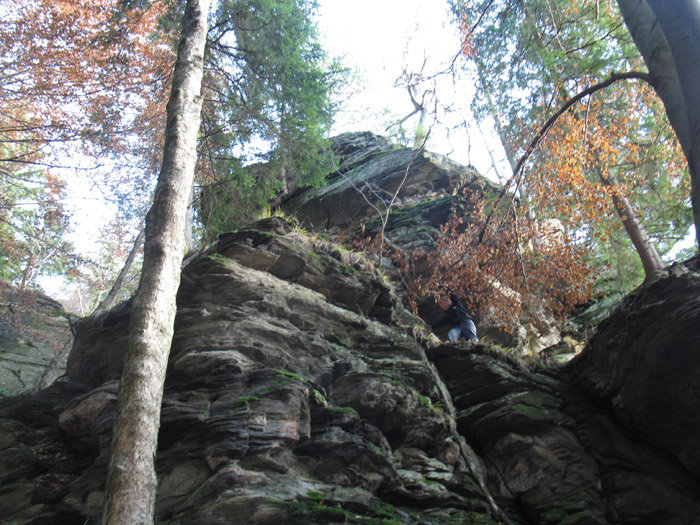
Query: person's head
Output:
(444,302)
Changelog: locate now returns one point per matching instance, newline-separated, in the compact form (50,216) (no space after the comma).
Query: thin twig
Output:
(518,249)
(385,219)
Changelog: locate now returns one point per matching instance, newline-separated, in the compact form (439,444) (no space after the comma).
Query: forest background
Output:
(595,193)
(434,67)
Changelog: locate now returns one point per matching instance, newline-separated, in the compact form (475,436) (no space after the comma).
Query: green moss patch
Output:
(319,509)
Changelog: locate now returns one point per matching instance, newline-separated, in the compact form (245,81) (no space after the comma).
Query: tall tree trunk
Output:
(651,260)
(493,112)
(667,34)
(131,479)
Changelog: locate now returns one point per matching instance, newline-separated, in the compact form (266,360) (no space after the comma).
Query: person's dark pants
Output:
(465,329)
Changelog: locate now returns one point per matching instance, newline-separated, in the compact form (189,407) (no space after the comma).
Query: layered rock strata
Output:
(300,390)
(297,394)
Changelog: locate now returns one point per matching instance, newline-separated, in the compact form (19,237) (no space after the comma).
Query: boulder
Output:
(292,393)
(369,173)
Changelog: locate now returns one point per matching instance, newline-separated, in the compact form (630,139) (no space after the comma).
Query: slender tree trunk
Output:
(667,34)
(131,479)
(189,233)
(109,299)
(493,112)
(51,371)
(651,260)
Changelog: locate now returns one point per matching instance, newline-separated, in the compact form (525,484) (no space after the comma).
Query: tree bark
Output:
(667,34)
(651,260)
(131,479)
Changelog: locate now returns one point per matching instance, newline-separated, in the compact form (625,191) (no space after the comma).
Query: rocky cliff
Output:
(35,339)
(300,390)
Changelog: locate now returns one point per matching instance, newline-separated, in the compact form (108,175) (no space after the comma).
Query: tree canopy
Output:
(267,108)
(85,83)
(612,156)
(83,90)
(80,81)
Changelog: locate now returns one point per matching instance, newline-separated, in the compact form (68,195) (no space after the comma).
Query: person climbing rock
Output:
(459,317)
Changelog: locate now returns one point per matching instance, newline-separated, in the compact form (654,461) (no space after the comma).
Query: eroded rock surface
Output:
(297,393)
(287,401)
(556,455)
(35,339)
(369,164)
(644,362)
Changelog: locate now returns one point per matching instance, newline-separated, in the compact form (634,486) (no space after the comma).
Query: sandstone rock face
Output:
(35,339)
(432,188)
(290,397)
(372,167)
(296,394)
(554,452)
(644,359)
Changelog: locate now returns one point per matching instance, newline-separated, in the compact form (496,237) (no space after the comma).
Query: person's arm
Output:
(457,302)
(458,310)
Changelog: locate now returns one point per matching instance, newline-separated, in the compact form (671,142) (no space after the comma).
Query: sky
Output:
(380,39)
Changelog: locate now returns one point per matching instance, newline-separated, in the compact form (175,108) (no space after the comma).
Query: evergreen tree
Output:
(267,108)
(102,95)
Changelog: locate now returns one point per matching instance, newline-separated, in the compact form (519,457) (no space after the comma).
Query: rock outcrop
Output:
(300,390)
(35,339)
(369,173)
(554,453)
(643,362)
(292,394)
